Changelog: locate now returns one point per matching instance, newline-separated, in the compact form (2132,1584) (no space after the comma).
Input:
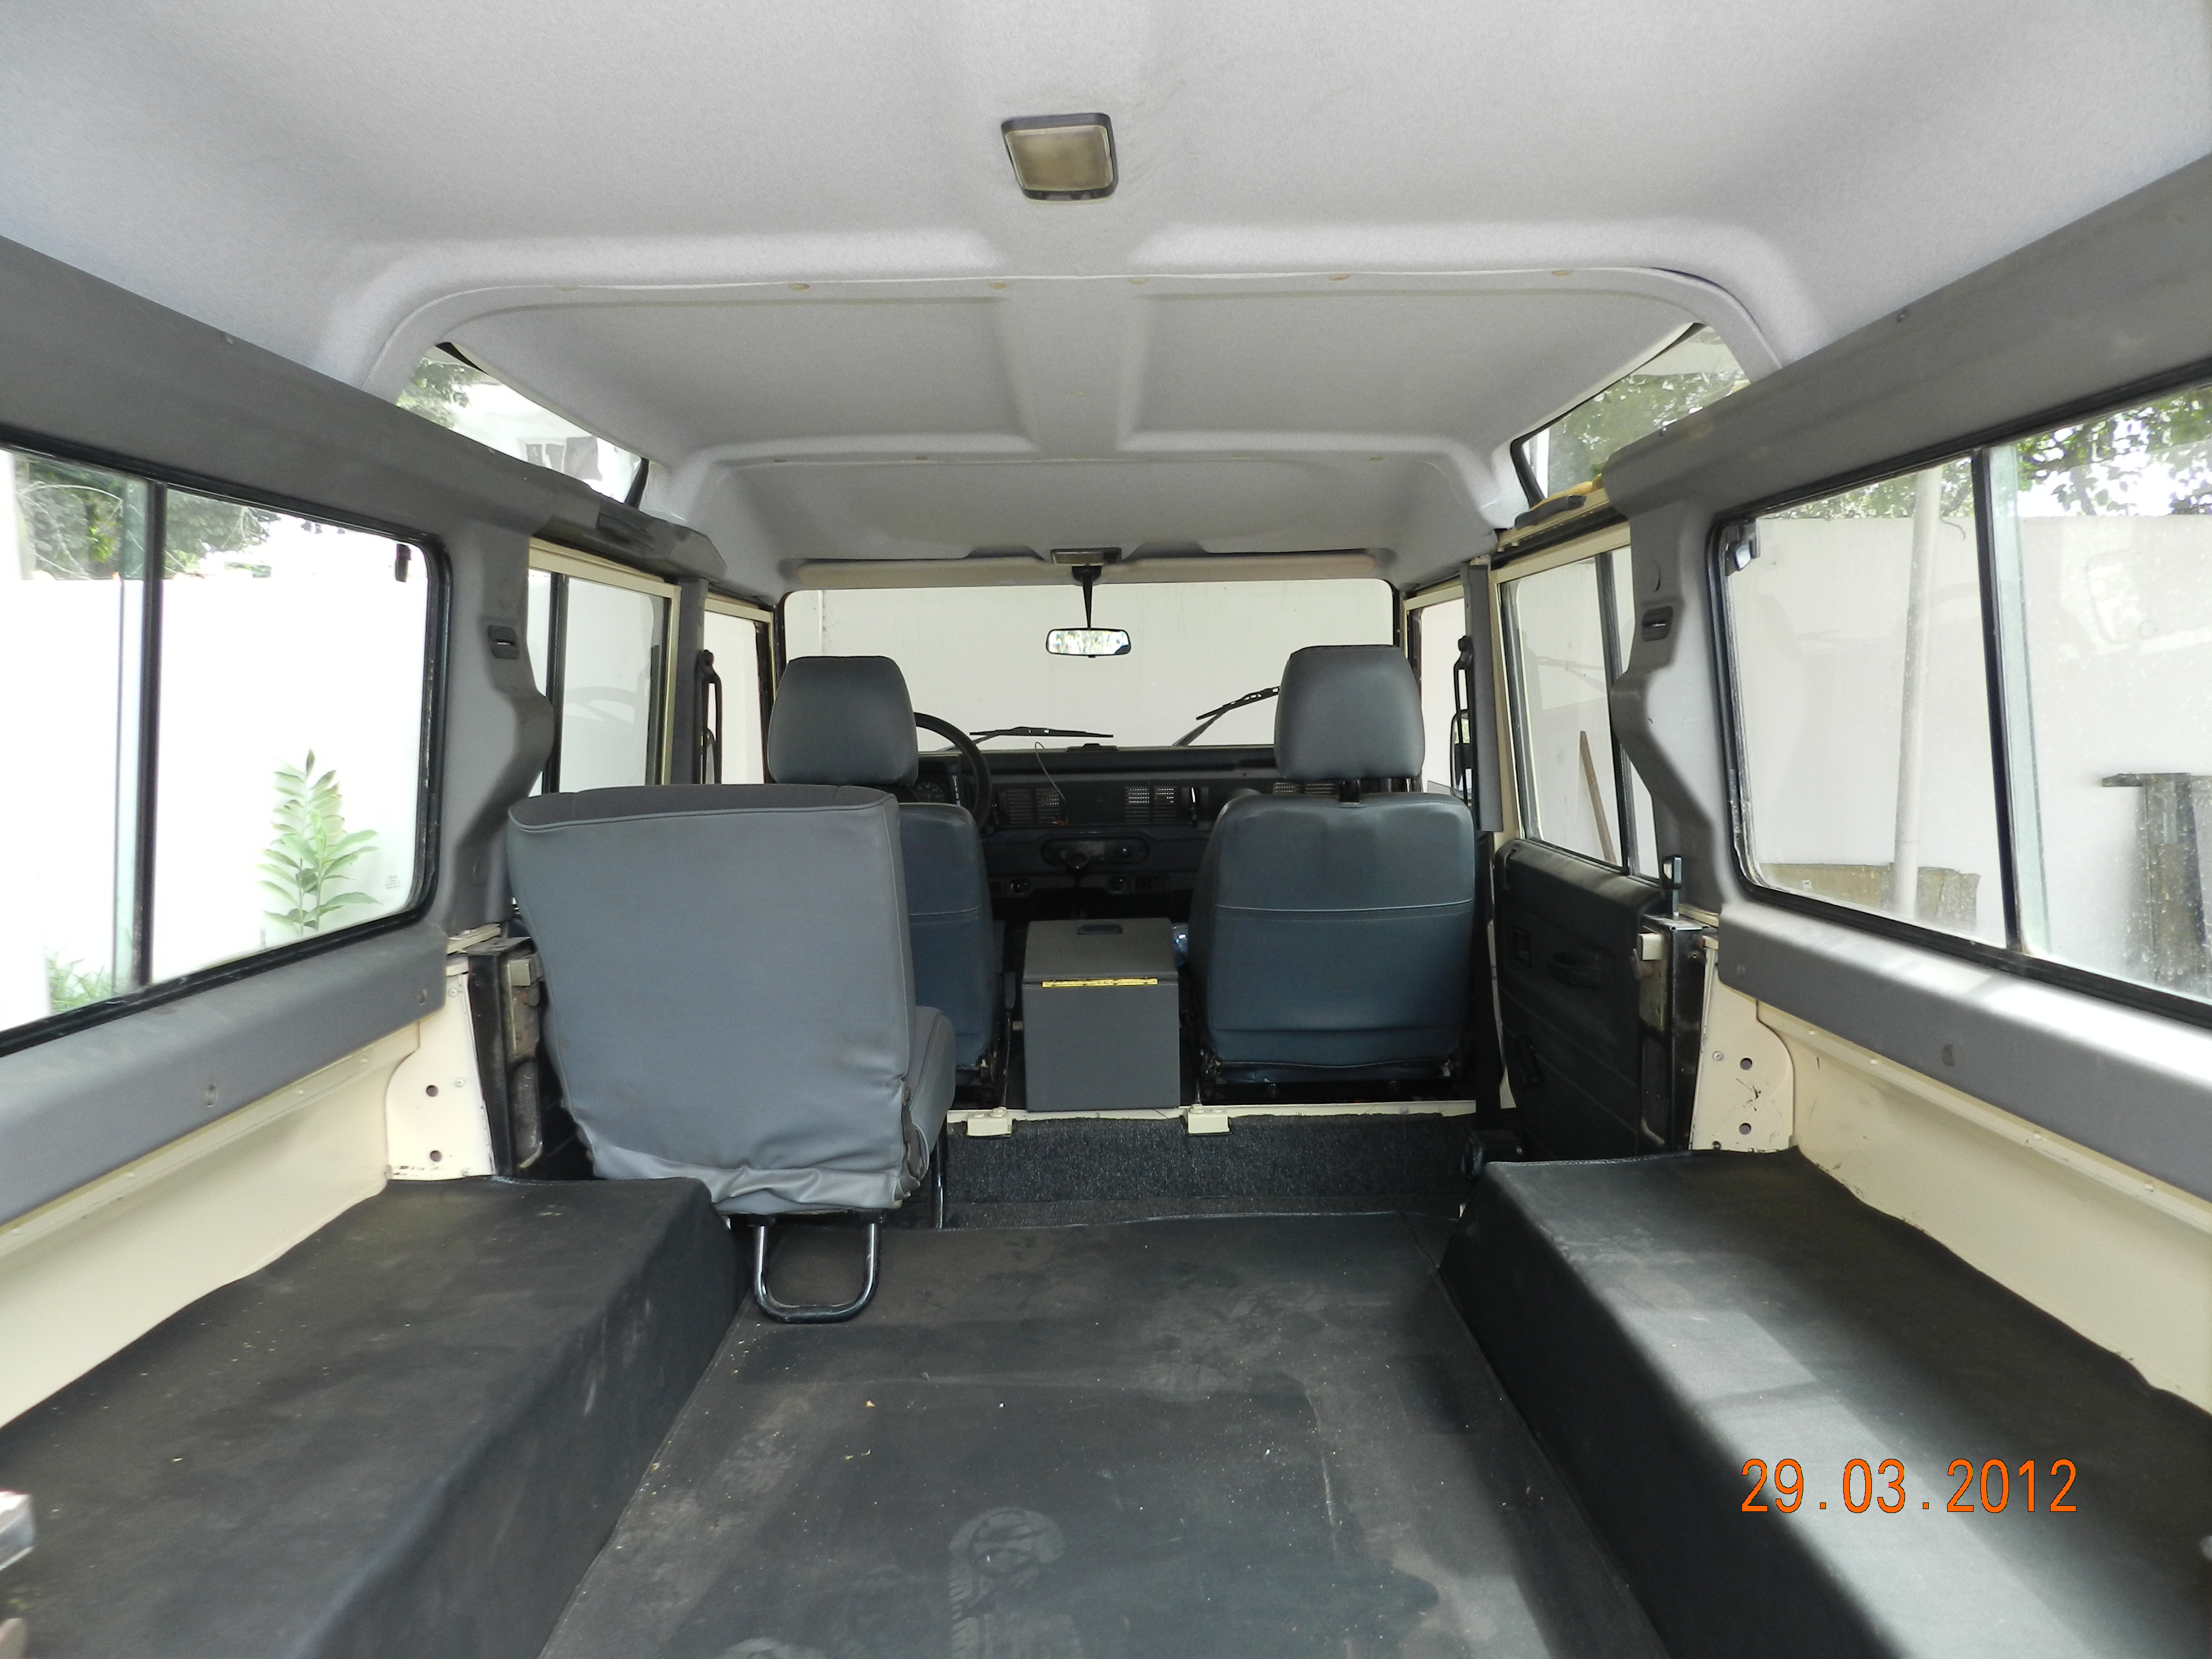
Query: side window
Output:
(735,644)
(226,760)
(476,404)
(1861,691)
(290,743)
(73,611)
(599,649)
(1565,635)
(1696,370)
(1557,665)
(2101,545)
(1439,627)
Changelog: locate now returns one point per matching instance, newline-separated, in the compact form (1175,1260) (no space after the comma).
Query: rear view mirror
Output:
(1088,642)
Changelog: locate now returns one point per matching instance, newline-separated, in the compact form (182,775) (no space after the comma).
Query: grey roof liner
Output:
(95,366)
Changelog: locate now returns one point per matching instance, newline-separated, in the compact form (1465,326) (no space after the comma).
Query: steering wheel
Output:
(979,769)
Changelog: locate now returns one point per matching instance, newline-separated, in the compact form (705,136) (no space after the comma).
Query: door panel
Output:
(1569,997)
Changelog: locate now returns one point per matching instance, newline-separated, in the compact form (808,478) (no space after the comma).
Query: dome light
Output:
(1061,158)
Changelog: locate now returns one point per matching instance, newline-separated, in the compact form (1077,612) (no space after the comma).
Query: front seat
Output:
(848,720)
(1331,938)
(728,996)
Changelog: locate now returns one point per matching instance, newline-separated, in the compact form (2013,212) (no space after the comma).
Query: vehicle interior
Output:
(1023,832)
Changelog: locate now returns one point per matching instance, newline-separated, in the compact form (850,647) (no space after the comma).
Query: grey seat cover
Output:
(728,989)
(848,720)
(1333,936)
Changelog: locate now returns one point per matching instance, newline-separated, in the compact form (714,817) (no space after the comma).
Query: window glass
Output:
(1554,628)
(223,762)
(478,405)
(608,653)
(538,626)
(1696,370)
(735,643)
(1441,627)
(2103,547)
(976,656)
(72,542)
(1861,688)
(1642,829)
(291,718)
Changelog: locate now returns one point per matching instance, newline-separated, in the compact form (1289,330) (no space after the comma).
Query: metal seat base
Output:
(818,1314)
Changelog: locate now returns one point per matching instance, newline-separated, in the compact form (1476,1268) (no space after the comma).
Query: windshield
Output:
(976,656)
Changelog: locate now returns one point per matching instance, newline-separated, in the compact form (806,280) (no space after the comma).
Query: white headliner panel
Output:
(1467,366)
(914,511)
(348,185)
(755,371)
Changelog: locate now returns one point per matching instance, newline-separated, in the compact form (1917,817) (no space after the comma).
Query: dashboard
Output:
(1128,823)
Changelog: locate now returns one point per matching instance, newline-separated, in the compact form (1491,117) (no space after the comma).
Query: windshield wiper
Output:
(1034,731)
(1213,714)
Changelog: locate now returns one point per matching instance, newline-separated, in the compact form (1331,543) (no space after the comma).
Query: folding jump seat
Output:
(729,996)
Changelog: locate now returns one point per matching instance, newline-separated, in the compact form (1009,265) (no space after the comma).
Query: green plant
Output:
(439,388)
(312,850)
(71,985)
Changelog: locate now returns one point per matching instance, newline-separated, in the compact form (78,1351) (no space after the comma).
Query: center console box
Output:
(1100,1016)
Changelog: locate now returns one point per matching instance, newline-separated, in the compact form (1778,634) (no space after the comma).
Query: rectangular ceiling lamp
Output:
(1061,158)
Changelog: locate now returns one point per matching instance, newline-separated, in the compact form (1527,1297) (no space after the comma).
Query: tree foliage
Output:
(82,524)
(439,389)
(70,984)
(2107,465)
(1635,406)
(311,851)
(197,526)
(85,523)
(1891,498)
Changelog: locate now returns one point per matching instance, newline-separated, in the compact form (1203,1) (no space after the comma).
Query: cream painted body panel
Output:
(435,1121)
(2123,1259)
(84,1276)
(1746,1086)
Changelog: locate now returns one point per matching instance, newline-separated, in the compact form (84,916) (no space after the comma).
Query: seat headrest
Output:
(1348,711)
(842,719)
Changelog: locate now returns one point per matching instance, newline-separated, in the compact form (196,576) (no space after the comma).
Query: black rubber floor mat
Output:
(409,1435)
(1205,1439)
(1677,1327)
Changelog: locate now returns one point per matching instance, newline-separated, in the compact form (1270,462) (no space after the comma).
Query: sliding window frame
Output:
(2012,764)
(1514,814)
(561,563)
(141,991)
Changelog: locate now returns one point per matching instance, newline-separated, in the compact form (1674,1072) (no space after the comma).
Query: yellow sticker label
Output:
(1088,984)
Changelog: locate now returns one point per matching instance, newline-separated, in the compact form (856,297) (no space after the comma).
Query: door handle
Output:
(1570,968)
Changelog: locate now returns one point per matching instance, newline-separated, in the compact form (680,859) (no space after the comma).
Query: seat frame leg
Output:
(814,1313)
(937,1181)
